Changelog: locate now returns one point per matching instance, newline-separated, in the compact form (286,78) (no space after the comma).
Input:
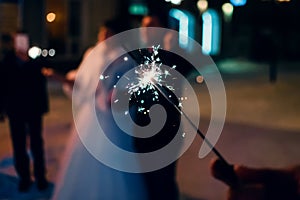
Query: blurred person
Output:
(161,183)
(150,36)
(5,46)
(69,78)
(168,42)
(25,102)
(103,33)
(259,183)
(82,176)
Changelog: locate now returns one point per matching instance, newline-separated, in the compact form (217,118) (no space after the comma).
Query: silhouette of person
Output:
(25,102)
(161,183)
(259,183)
(5,47)
(103,33)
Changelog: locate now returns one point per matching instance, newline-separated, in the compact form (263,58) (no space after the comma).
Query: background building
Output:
(253,30)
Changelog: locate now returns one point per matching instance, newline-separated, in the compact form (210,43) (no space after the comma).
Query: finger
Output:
(277,184)
(224,172)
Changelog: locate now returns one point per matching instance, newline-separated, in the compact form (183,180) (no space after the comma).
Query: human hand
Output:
(47,72)
(260,184)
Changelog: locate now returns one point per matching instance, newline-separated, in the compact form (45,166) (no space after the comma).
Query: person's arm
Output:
(262,183)
(50,73)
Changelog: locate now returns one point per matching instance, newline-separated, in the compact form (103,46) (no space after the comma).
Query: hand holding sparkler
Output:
(258,184)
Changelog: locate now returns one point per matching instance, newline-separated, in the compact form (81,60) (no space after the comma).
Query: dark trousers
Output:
(20,127)
(161,184)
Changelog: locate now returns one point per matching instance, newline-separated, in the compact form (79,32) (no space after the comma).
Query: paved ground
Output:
(262,129)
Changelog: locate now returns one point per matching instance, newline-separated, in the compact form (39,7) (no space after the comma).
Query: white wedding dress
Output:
(82,176)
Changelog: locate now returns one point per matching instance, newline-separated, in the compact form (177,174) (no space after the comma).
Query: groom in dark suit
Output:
(25,101)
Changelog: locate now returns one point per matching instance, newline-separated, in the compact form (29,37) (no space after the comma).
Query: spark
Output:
(140,109)
(102,77)
(149,74)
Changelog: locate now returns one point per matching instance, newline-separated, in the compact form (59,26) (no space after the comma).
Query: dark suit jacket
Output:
(24,86)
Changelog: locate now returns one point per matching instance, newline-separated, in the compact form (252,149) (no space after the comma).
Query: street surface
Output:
(262,129)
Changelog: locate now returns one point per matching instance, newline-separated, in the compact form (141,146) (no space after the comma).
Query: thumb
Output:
(224,172)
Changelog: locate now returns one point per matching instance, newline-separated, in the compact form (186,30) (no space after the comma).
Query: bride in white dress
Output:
(82,176)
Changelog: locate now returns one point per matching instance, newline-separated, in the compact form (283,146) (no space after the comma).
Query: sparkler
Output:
(151,77)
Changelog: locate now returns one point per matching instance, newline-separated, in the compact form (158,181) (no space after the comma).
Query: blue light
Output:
(138,9)
(211,33)
(186,27)
(238,2)
(207,33)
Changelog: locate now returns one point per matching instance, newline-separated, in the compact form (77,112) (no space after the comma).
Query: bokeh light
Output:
(227,9)
(51,52)
(175,2)
(34,52)
(202,5)
(238,2)
(51,17)
(44,52)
